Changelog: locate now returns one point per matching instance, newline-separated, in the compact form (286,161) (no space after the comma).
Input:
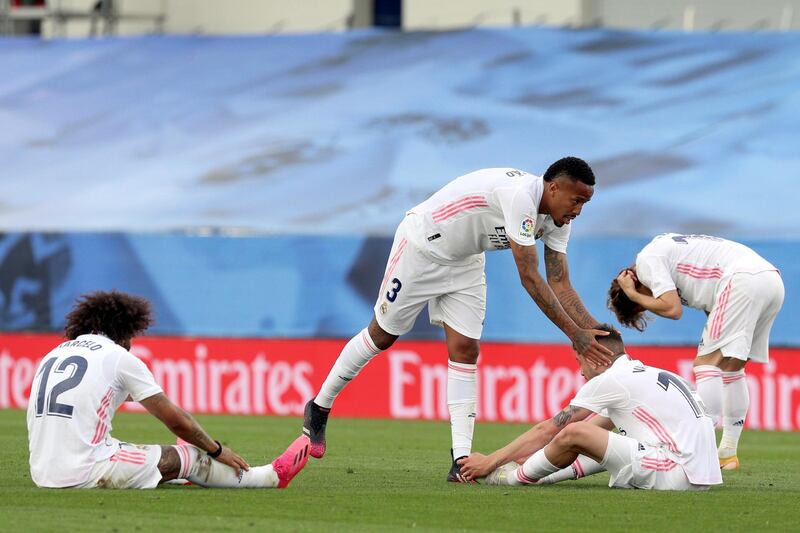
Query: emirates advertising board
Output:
(517,382)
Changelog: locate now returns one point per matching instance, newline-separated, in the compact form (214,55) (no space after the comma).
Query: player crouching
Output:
(665,439)
(80,384)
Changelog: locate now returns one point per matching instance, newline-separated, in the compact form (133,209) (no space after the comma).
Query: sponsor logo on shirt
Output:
(499,239)
(539,233)
(526,228)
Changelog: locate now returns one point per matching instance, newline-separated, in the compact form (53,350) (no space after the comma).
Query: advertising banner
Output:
(516,382)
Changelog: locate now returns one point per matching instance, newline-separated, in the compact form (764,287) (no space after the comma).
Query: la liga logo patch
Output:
(526,228)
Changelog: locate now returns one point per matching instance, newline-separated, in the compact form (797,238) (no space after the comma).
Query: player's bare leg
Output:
(170,464)
(461,395)
(359,351)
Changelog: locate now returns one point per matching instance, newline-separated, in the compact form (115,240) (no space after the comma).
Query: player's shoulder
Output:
(90,343)
(659,244)
(623,368)
(508,174)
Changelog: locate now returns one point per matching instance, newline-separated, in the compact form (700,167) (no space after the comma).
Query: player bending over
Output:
(81,383)
(665,440)
(741,293)
(438,259)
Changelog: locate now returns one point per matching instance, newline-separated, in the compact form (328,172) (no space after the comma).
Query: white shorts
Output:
(637,466)
(455,294)
(131,467)
(742,317)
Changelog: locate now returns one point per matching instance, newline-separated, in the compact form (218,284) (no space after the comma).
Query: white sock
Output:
(735,402)
(355,355)
(462,393)
(536,467)
(708,380)
(200,469)
(582,467)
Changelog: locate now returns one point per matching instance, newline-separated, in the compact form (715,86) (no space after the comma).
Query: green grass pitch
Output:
(389,475)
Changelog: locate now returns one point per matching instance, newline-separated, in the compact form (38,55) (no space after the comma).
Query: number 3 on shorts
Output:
(391,295)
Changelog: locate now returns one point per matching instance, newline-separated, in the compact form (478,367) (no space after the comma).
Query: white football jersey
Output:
(657,408)
(76,390)
(480,212)
(695,265)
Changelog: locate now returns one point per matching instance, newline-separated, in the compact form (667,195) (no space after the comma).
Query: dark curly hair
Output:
(574,168)
(117,315)
(629,313)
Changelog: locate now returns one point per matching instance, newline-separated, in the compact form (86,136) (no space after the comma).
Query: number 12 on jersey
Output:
(50,397)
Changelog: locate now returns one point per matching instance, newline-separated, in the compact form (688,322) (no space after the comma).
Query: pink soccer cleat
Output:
(315,419)
(292,461)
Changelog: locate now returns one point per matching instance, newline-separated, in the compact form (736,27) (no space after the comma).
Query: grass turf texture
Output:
(389,475)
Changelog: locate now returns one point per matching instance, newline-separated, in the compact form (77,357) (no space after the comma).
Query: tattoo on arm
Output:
(575,309)
(527,263)
(555,264)
(558,273)
(564,417)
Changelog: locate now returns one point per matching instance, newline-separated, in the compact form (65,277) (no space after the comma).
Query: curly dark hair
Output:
(117,315)
(629,313)
(574,168)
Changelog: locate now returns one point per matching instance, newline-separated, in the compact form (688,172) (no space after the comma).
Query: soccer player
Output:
(665,439)
(80,384)
(437,259)
(740,292)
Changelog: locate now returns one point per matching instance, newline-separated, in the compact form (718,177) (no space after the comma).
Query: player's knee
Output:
(714,359)
(170,463)
(573,434)
(464,350)
(731,364)
(382,339)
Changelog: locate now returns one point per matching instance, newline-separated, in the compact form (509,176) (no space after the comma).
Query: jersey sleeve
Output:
(653,272)
(557,239)
(519,214)
(600,393)
(136,378)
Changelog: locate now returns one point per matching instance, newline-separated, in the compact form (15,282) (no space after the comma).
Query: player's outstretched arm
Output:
(583,339)
(557,270)
(183,425)
(667,305)
(478,465)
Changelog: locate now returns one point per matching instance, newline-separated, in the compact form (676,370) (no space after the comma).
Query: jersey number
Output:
(54,408)
(396,286)
(665,378)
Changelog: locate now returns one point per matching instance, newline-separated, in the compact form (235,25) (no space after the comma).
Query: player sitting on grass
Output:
(665,440)
(741,293)
(81,383)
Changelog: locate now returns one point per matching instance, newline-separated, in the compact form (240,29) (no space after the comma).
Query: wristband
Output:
(216,453)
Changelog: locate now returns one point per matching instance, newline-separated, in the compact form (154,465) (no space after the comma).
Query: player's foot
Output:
(455,476)
(729,463)
(315,418)
(502,474)
(292,461)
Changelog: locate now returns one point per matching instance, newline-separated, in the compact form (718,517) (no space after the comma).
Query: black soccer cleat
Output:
(455,476)
(315,418)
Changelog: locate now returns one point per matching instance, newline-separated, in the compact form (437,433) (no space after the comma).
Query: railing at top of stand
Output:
(102,11)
